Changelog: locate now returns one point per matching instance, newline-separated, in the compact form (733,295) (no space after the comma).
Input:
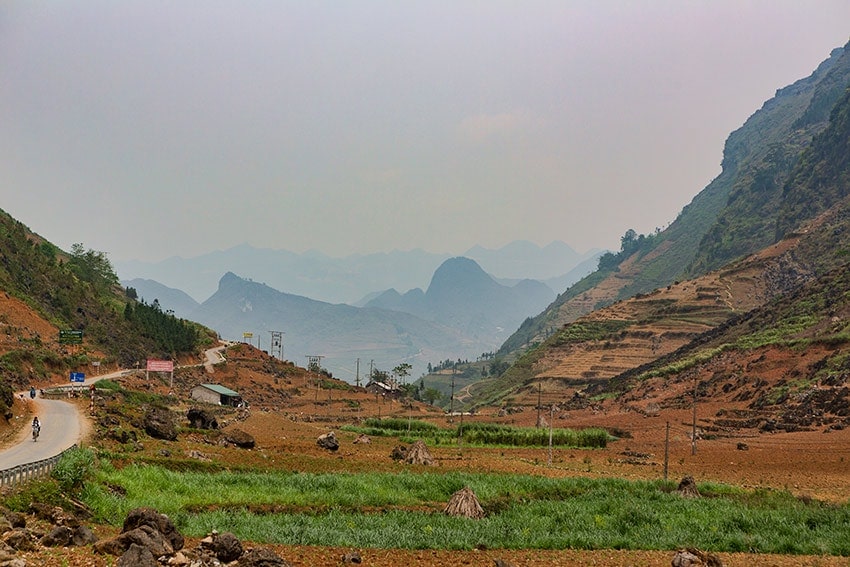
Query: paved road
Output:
(61,422)
(60,428)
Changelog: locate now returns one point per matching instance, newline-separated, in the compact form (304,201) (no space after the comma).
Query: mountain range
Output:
(356,279)
(463,314)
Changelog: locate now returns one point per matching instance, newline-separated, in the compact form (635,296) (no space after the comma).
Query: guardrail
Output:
(31,471)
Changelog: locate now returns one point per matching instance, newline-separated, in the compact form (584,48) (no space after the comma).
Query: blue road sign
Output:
(78,377)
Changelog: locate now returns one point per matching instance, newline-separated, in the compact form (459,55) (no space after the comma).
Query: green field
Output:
(385,510)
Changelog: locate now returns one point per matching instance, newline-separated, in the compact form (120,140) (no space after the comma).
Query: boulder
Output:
(202,419)
(225,546)
(19,539)
(83,536)
(137,556)
(328,441)
(160,522)
(159,424)
(240,438)
(144,536)
(59,536)
(399,453)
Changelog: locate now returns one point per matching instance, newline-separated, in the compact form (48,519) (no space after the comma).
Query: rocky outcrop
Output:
(201,419)
(159,424)
(240,439)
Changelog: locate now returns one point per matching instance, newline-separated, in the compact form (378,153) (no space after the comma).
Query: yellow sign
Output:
(247,335)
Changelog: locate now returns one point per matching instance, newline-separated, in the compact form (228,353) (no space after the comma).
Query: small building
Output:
(384,389)
(216,394)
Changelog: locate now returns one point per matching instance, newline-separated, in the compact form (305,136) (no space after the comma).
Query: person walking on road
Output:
(36,428)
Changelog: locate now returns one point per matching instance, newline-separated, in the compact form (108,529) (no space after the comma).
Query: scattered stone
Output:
(328,441)
(195,454)
(240,438)
(502,563)
(465,504)
(688,488)
(179,560)
(743,447)
(418,454)
(352,557)
(363,439)
(399,453)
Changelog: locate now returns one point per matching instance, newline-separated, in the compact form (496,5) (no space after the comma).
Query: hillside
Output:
(612,342)
(734,215)
(44,290)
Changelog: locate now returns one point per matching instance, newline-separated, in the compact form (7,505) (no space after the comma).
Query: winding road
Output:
(63,424)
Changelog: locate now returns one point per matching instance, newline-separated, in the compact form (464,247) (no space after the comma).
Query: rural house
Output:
(384,389)
(216,394)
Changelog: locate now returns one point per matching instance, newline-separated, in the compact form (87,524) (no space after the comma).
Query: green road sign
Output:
(70,337)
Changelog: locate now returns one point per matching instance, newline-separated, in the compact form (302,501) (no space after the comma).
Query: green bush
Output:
(73,468)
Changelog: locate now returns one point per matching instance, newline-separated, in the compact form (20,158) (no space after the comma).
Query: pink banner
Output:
(160,366)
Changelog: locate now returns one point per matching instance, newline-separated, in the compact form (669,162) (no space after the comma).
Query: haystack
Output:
(688,488)
(418,454)
(464,503)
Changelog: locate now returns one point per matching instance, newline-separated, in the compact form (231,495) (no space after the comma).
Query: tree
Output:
(432,395)
(402,370)
(93,267)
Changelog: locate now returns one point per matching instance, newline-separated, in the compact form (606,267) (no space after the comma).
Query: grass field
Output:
(384,510)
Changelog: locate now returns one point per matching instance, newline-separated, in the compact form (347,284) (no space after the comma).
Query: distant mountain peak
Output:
(458,272)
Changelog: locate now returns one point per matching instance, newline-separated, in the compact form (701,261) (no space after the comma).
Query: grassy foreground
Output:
(383,510)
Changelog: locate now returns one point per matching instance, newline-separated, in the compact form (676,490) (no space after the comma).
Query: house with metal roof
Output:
(215,394)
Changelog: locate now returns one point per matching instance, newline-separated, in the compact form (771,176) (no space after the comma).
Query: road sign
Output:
(78,377)
(70,337)
(160,365)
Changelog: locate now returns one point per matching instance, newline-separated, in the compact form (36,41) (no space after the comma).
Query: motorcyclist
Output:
(36,428)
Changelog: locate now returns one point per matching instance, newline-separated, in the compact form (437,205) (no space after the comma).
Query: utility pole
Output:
(694,432)
(539,395)
(666,449)
(357,374)
(452,399)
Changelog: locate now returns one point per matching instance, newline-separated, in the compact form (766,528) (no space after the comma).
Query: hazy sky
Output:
(148,129)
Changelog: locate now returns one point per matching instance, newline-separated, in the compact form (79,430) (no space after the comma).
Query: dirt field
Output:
(287,415)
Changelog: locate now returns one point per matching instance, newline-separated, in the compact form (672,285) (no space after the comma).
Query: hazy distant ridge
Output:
(353,278)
